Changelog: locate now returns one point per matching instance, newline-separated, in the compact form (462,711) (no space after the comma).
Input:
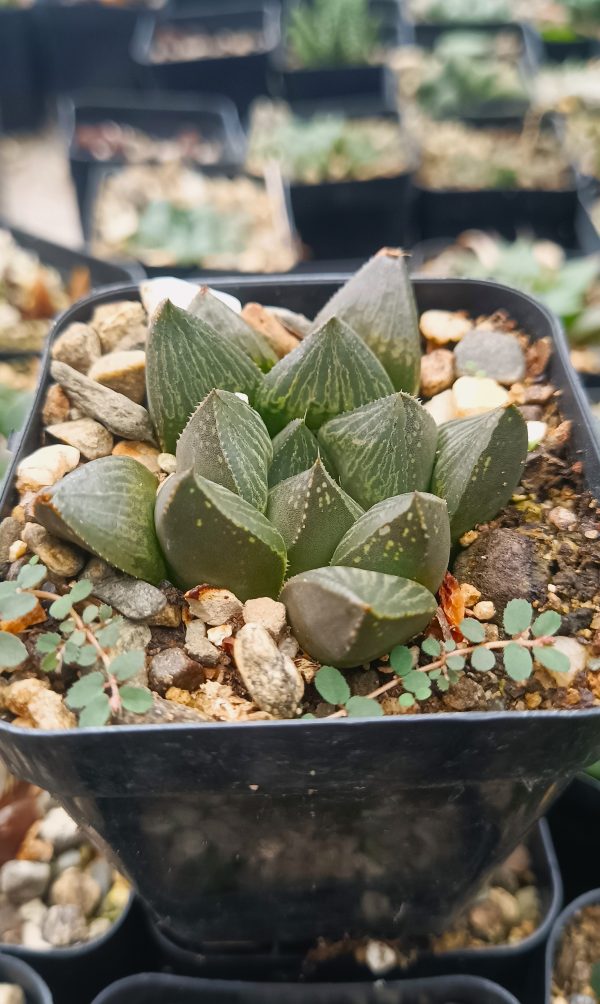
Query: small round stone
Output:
(494,354)
(484,611)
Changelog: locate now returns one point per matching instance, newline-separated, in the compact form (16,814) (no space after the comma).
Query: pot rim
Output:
(586,899)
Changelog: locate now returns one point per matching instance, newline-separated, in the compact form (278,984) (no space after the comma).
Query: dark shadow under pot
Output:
(409,813)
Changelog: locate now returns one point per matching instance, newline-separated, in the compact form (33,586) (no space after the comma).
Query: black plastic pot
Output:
(21,98)
(123,950)
(241,78)
(580,50)
(591,898)
(154,989)
(86,44)
(213,116)
(516,967)
(427,34)
(18,972)
(291,830)
(573,822)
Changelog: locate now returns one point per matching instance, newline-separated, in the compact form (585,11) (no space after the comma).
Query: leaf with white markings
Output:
(295,449)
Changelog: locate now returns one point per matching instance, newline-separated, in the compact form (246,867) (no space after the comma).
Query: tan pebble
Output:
(476,395)
(17,550)
(437,372)
(169,616)
(591,534)
(123,372)
(212,605)
(442,407)
(486,921)
(144,453)
(86,435)
(529,902)
(272,680)
(78,346)
(10,993)
(491,632)
(278,337)
(484,611)
(167,462)
(59,557)
(217,634)
(47,710)
(118,323)
(533,701)
(469,593)
(99,927)
(56,406)
(76,888)
(442,326)
(45,467)
(468,538)
(507,904)
(562,518)
(267,612)
(380,957)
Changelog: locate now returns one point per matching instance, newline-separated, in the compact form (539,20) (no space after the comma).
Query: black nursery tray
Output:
(590,898)
(214,117)
(154,989)
(427,34)
(21,86)
(186,809)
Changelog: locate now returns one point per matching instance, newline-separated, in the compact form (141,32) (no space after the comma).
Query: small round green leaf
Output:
(332,686)
(12,651)
(31,576)
(546,624)
(455,663)
(483,660)
(449,645)
(104,612)
(48,642)
(443,684)
(49,662)
(109,635)
(551,658)
(90,613)
(363,707)
(517,616)
(417,683)
(78,637)
(85,690)
(81,590)
(401,660)
(87,656)
(517,662)
(431,646)
(472,630)
(61,607)
(67,627)
(136,699)
(406,701)
(127,664)
(16,605)
(96,713)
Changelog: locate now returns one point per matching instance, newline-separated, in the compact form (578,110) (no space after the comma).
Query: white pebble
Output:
(476,395)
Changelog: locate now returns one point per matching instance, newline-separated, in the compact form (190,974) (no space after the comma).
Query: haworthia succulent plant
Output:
(312,514)
(231,326)
(185,359)
(479,464)
(378,303)
(382,449)
(107,507)
(407,535)
(211,535)
(331,371)
(295,449)
(348,616)
(226,441)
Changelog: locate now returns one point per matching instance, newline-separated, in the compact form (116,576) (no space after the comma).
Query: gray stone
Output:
(60,830)
(10,531)
(23,880)
(68,859)
(78,346)
(133,598)
(494,354)
(102,873)
(173,668)
(116,412)
(59,557)
(271,678)
(64,926)
(86,435)
(198,644)
(504,565)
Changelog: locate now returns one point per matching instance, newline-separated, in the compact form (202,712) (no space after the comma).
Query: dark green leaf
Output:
(483,660)
(363,707)
(472,629)
(136,699)
(12,650)
(127,664)
(96,713)
(48,642)
(517,616)
(431,646)
(517,662)
(87,689)
(295,449)
(546,624)
(401,660)
(551,658)
(332,686)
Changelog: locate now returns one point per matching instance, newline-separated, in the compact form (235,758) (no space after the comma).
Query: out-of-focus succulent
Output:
(332,33)
(247,512)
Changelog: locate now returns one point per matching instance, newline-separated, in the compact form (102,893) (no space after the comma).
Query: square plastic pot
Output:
(241,78)
(21,87)
(85,45)
(427,34)
(154,989)
(591,898)
(214,117)
(573,821)
(19,973)
(288,830)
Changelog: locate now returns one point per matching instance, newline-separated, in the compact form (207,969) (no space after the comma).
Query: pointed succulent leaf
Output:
(478,465)
(378,303)
(406,535)
(382,449)
(312,513)
(107,507)
(331,371)
(295,449)
(211,535)
(348,616)
(233,328)
(227,441)
(186,359)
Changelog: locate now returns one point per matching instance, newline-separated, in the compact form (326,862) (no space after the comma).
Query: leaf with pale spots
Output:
(209,534)
(381,449)
(295,449)
(312,513)
(232,328)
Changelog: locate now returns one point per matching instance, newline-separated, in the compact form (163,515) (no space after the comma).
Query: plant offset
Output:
(286,498)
